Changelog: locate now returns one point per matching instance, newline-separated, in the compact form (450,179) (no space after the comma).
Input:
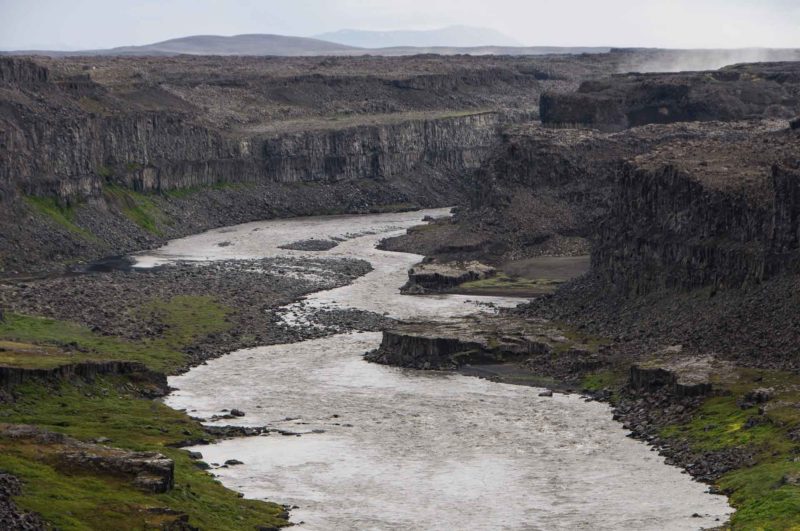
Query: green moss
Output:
(112,407)
(762,498)
(605,379)
(187,318)
(137,207)
(105,172)
(82,344)
(63,216)
(761,494)
(506,282)
(181,193)
(77,499)
(720,423)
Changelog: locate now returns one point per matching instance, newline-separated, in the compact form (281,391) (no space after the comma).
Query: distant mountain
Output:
(281,45)
(450,37)
(253,44)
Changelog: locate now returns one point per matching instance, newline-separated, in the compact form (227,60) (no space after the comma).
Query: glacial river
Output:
(391,449)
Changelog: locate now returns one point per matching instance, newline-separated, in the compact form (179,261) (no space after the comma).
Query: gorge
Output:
(638,238)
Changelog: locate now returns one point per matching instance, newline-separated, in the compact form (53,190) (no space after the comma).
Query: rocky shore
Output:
(137,306)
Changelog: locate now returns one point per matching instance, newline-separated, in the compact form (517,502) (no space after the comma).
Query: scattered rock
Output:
(310,245)
(148,471)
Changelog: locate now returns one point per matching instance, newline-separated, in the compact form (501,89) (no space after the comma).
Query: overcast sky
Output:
(84,24)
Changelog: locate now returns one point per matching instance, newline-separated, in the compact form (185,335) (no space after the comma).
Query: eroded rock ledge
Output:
(433,277)
(478,340)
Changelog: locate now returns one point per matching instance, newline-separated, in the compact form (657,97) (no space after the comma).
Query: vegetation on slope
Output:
(114,409)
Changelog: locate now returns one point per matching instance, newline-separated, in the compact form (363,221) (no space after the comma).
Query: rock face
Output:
(149,471)
(651,379)
(151,383)
(630,100)
(678,206)
(11,517)
(474,340)
(78,135)
(437,277)
(721,213)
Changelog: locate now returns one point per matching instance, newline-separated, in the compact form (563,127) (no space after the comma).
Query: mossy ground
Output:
(763,494)
(186,318)
(61,215)
(503,283)
(75,499)
(137,207)
(766,495)
(112,407)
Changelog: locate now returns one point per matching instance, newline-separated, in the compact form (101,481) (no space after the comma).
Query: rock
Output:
(436,277)
(237,412)
(11,516)
(195,455)
(795,124)
(791,478)
(232,462)
(759,396)
(547,393)
(150,471)
(310,245)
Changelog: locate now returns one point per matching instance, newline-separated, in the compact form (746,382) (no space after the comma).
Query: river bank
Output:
(350,415)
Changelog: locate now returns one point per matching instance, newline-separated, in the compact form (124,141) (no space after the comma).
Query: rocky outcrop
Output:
(630,100)
(719,215)
(77,135)
(432,277)
(11,516)
(474,340)
(148,471)
(151,383)
(652,379)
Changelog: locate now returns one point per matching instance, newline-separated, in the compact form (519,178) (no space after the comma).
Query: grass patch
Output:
(137,207)
(187,318)
(81,344)
(605,379)
(80,500)
(112,407)
(182,193)
(63,216)
(767,495)
(503,281)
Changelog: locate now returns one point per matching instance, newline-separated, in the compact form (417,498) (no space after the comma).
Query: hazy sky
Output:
(83,24)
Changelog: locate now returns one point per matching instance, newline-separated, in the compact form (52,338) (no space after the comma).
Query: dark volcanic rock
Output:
(432,277)
(630,100)
(11,516)
(310,245)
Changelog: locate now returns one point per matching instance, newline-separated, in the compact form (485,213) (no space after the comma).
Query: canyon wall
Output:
(629,100)
(77,139)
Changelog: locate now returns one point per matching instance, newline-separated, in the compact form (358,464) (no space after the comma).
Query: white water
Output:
(387,448)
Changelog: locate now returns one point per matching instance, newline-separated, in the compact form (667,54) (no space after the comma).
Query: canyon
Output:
(637,236)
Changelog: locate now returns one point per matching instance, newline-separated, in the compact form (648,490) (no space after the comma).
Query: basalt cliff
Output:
(106,155)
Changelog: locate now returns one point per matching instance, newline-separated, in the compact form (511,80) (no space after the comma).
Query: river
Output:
(386,448)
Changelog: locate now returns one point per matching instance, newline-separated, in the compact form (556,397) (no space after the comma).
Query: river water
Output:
(386,448)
